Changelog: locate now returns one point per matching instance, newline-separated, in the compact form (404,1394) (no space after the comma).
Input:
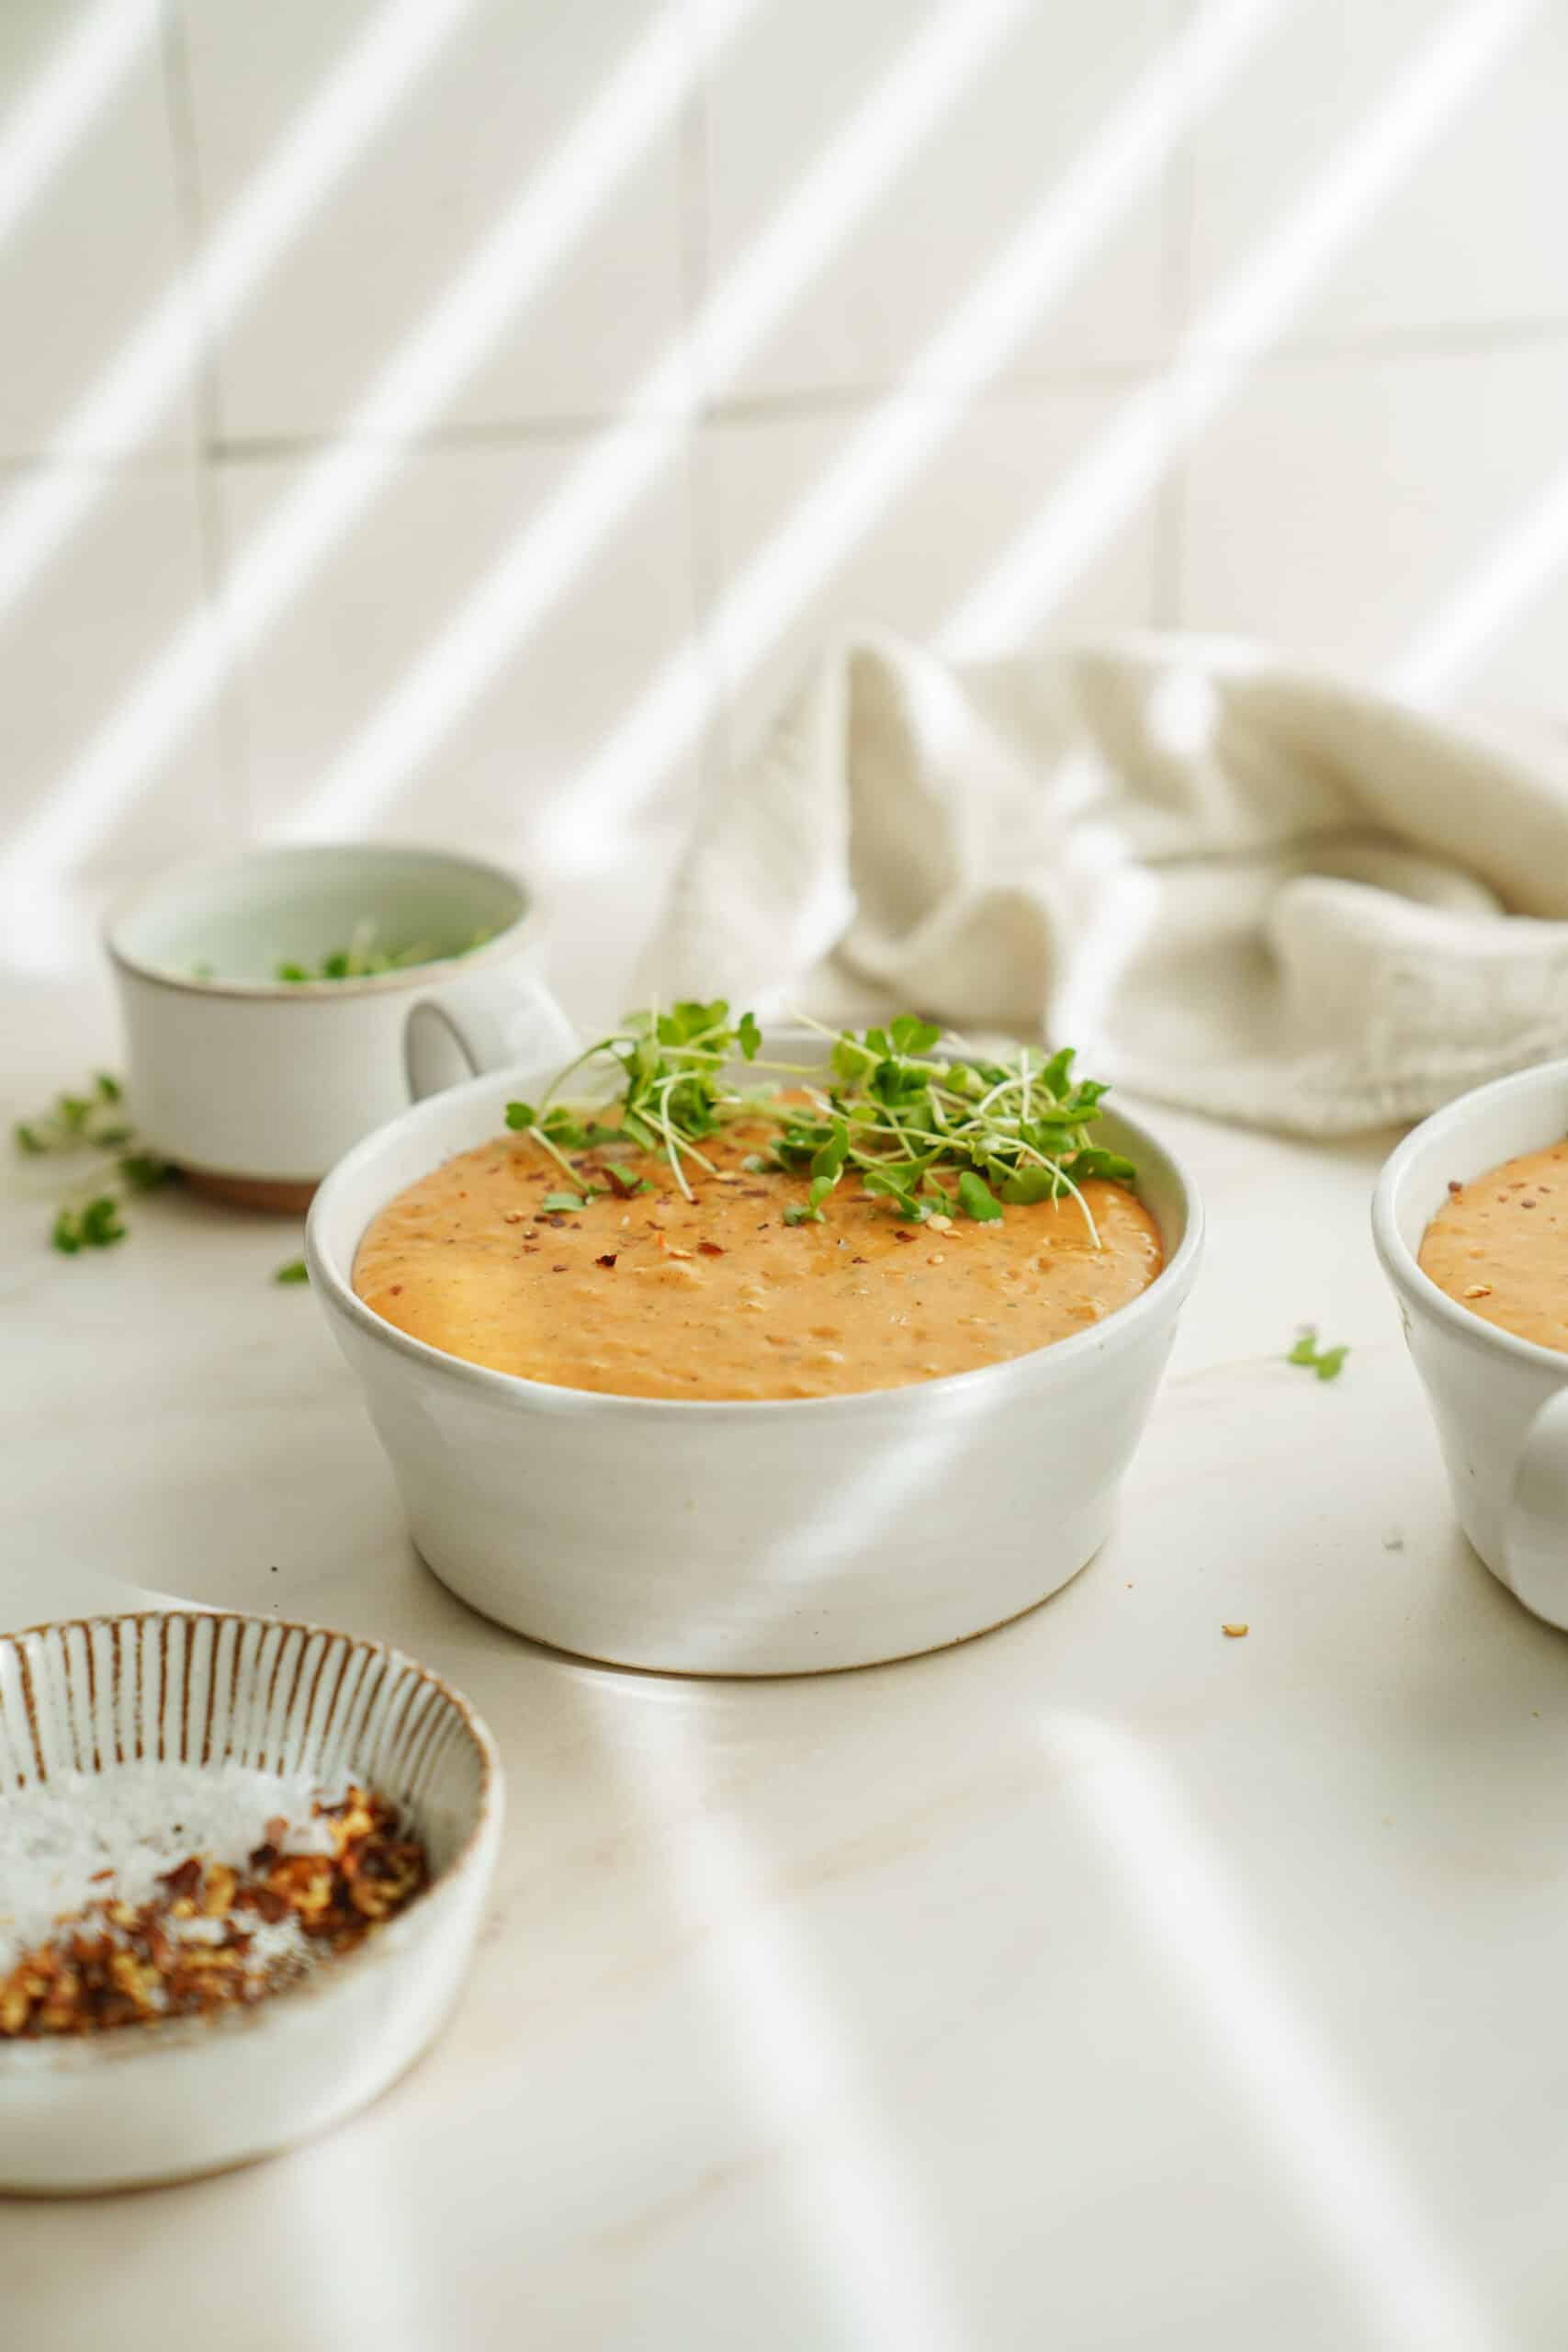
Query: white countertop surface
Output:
(1103,1982)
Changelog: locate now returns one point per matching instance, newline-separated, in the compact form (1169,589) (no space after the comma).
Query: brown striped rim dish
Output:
(209,1687)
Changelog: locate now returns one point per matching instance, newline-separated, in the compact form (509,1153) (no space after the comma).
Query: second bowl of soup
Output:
(713,1435)
(1471,1222)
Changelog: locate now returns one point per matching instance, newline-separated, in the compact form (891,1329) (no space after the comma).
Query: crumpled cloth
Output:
(1231,882)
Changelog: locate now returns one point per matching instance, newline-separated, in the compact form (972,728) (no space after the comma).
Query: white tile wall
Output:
(96,250)
(1470,238)
(481,121)
(319,676)
(1339,506)
(920,558)
(77,646)
(867,318)
(1395,427)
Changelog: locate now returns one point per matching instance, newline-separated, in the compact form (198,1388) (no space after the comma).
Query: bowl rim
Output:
(499,945)
(68,2052)
(337,1293)
(1400,1262)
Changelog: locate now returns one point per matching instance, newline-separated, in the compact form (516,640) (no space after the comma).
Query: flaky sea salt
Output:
(88,1837)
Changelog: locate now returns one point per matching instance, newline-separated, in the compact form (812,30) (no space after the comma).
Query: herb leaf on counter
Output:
(92,1124)
(1327,1363)
(143,1171)
(95,1226)
(77,1122)
(295,1271)
(902,1119)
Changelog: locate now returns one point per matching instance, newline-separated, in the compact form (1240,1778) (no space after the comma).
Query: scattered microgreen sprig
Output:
(362,958)
(927,1133)
(95,1122)
(1328,1362)
(92,1227)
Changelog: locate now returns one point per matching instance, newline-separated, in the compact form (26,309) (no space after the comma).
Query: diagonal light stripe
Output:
(1414,2293)
(551,211)
(350,107)
(1042,259)
(1250,312)
(1447,649)
(81,77)
(522,587)
(858,163)
(875,2248)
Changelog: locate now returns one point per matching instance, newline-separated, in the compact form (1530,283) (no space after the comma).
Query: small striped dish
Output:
(190,1687)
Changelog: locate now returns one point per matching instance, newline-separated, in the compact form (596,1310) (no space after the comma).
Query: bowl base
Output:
(783,1664)
(276,1196)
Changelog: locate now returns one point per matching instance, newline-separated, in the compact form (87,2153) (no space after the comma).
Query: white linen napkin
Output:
(1233,882)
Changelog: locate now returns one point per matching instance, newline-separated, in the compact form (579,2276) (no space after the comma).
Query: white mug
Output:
(255,1085)
(1500,1403)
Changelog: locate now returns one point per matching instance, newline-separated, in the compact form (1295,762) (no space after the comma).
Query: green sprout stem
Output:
(893,1112)
(93,1123)
(363,958)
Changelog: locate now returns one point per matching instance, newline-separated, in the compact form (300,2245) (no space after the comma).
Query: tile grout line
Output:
(1372,346)
(179,107)
(1179,200)
(702,499)
(1177,356)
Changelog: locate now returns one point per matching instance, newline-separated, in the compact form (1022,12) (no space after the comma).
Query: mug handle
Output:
(1535,1531)
(483,1022)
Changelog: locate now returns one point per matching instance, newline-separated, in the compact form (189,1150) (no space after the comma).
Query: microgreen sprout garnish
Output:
(95,1121)
(295,1271)
(93,1226)
(143,1171)
(926,1134)
(93,1125)
(362,957)
(1326,1363)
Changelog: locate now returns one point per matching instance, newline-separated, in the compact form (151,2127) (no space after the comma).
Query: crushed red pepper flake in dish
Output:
(214,1935)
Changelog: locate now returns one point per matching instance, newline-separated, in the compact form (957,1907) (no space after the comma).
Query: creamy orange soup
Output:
(1500,1245)
(656,1295)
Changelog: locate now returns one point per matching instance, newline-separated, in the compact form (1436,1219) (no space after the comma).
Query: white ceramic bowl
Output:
(165,2102)
(255,1085)
(746,1538)
(1500,1403)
